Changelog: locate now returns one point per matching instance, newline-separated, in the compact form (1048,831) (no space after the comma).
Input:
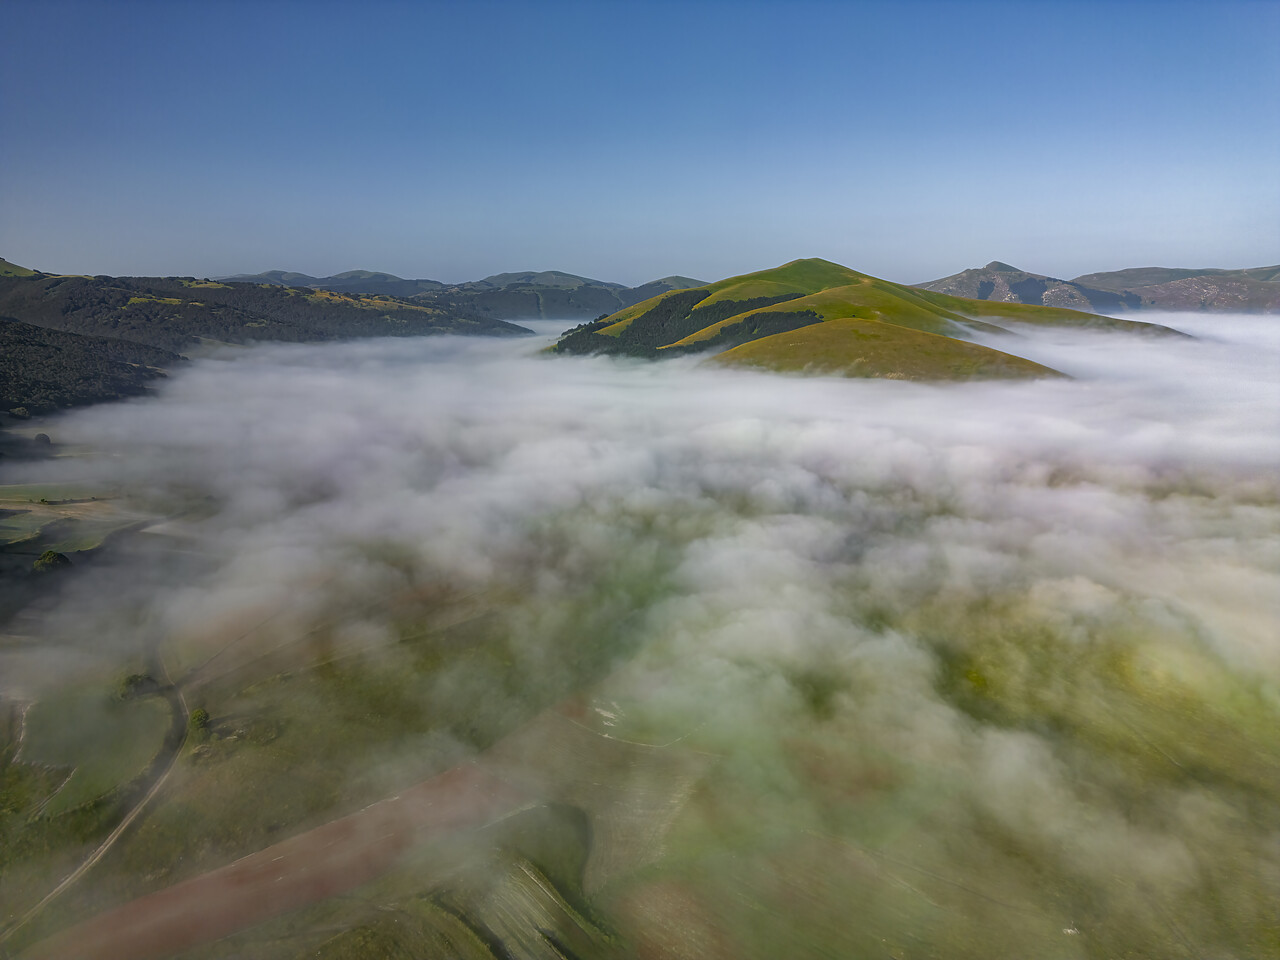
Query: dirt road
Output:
(312,866)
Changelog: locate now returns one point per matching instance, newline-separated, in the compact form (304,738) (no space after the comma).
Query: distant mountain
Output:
(174,312)
(43,369)
(550,295)
(353,281)
(545,278)
(818,316)
(1159,288)
(524,295)
(1253,290)
(999,281)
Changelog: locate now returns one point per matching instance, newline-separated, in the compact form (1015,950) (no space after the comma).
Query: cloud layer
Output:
(1020,637)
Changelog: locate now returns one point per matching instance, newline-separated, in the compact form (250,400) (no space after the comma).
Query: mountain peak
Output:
(1000,267)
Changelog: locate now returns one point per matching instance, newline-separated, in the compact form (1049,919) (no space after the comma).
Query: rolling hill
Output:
(817,316)
(521,295)
(1151,288)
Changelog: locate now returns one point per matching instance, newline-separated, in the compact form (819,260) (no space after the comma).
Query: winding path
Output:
(158,771)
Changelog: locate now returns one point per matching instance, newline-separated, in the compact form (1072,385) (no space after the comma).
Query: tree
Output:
(199,719)
(137,685)
(51,560)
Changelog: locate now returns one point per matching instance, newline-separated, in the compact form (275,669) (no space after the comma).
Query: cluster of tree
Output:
(50,561)
(671,319)
(43,369)
(171,312)
(756,325)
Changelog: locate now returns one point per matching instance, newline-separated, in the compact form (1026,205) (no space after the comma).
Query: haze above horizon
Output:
(631,141)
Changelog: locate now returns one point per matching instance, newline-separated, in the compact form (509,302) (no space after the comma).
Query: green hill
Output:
(819,316)
(8,269)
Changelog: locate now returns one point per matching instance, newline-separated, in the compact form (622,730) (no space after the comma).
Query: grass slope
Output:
(775,318)
(873,348)
(8,269)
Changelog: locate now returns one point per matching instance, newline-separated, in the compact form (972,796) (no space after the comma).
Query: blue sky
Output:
(628,141)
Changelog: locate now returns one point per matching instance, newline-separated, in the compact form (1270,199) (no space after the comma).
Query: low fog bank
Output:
(955,620)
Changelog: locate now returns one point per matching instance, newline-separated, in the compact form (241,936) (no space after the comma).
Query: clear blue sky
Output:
(628,141)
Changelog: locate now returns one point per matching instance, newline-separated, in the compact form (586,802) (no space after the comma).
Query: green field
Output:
(104,741)
(52,492)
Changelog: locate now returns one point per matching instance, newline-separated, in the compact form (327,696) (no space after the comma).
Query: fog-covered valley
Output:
(892,669)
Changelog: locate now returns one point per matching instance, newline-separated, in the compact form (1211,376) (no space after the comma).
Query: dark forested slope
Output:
(173,312)
(43,369)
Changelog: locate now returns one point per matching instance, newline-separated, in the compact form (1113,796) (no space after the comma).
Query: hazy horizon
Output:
(631,141)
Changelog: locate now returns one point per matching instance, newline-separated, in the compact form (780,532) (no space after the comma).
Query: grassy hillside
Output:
(820,316)
(873,348)
(8,269)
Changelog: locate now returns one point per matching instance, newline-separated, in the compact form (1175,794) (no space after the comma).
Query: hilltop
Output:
(1002,282)
(8,269)
(818,316)
(515,296)
(1158,288)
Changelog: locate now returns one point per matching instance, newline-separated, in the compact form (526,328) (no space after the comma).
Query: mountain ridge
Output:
(1254,289)
(512,296)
